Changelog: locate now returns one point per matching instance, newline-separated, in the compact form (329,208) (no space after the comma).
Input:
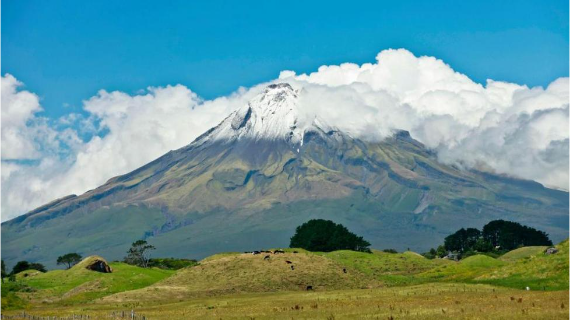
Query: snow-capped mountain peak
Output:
(271,115)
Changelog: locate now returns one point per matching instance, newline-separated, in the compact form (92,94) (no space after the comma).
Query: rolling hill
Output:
(344,283)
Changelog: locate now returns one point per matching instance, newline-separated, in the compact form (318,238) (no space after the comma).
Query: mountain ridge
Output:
(267,168)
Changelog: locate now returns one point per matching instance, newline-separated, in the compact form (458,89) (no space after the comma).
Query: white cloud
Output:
(18,108)
(509,128)
(506,127)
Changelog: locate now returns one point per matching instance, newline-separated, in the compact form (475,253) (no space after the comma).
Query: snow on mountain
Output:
(272,115)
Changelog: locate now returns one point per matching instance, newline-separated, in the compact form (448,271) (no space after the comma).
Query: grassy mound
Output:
(521,253)
(464,270)
(241,272)
(27,273)
(78,284)
(538,271)
(390,268)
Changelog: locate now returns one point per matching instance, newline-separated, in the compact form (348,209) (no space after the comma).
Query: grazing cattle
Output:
(278,251)
(255,252)
(344,270)
(292,267)
(288,262)
(309,288)
(266,258)
(295,251)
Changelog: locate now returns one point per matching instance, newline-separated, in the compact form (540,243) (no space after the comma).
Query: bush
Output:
(171,263)
(325,236)
(25,265)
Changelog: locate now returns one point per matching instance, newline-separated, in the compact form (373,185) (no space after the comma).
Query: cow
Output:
(278,251)
(295,251)
(344,270)
(255,252)
(266,258)
(309,288)
(288,262)
(292,267)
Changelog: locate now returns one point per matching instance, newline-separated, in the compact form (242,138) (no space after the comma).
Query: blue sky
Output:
(65,51)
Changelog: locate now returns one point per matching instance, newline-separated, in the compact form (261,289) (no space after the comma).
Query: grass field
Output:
(346,285)
(427,301)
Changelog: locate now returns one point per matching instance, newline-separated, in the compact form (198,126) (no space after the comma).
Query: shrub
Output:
(326,236)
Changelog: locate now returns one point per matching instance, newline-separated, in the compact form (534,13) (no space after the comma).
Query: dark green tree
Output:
(482,245)
(20,266)
(441,252)
(510,235)
(462,240)
(139,253)
(326,236)
(25,265)
(69,259)
(38,266)
(4,274)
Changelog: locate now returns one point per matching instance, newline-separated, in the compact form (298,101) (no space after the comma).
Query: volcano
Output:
(267,168)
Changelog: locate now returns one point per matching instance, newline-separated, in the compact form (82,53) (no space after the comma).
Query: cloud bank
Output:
(501,127)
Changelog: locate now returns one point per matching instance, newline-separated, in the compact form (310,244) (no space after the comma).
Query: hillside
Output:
(248,182)
(241,284)
(389,268)
(79,285)
(537,271)
(243,272)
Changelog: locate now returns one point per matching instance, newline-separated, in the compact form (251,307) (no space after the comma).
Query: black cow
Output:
(344,270)
(292,267)
(278,251)
(266,258)
(288,262)
(309,288)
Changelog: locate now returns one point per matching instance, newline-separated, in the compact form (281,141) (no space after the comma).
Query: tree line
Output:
(496,237)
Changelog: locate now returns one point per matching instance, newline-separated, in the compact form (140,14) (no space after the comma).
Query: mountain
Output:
(248,182)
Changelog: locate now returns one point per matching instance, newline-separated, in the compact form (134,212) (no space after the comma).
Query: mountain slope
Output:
(267,168)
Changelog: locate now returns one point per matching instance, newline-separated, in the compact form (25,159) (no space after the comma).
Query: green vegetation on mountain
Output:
(197,201)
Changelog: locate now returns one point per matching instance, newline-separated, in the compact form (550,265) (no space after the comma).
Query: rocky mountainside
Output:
(248,182)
